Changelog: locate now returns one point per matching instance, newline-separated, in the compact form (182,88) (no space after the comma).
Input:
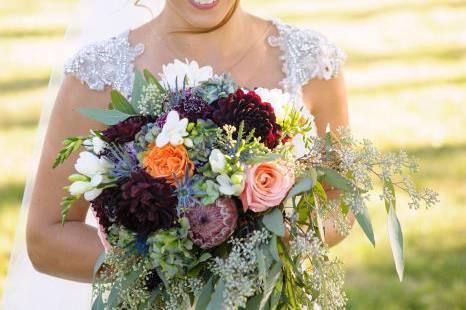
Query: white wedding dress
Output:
(305,55)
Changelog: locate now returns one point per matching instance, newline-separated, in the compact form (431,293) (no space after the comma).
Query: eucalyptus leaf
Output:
(276,293)
(99,262)
(106,117)
(364,220)
(204,297)
(396,241)
(254,302)
(274,274)
(336,180)
(262,270)
(217,298)
(120,103)
(98,303)
(137,92)
(264,158)
(273,248)
(273,221)
(153,80)
(303,185)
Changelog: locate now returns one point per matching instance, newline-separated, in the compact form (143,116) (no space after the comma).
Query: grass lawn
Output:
(406,77)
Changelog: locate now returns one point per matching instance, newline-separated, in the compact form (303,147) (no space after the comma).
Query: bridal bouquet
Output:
(212,196)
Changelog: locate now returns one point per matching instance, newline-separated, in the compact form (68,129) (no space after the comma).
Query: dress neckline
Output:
(273,40)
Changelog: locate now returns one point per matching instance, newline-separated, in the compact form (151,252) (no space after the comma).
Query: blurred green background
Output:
(406,77)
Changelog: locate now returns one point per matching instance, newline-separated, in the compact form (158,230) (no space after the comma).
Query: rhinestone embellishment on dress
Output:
(306,55)
(108,62)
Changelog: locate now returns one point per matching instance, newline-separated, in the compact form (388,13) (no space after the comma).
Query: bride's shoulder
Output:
(107,62)
(307,54)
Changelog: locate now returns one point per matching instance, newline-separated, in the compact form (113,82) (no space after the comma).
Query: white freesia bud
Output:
(79,187)
(173,131)
(174,74)
(188,142)
(227,187)
(90,165)
(237,178)
(217,161)
(299,147)
(277,98)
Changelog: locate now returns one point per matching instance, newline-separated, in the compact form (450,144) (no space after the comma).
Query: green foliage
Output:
(147,95)
(119,102)
(70,145)
(66,204)
(396,241)
(273,221)
(364,220)
(106,117)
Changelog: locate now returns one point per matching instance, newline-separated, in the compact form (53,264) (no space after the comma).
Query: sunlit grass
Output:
(406,81)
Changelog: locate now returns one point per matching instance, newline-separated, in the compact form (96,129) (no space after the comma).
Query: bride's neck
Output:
(225,41)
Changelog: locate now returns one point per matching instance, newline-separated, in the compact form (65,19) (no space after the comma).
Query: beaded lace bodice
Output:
(306,55)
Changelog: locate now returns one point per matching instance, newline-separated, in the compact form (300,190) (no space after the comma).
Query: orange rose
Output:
(167,161)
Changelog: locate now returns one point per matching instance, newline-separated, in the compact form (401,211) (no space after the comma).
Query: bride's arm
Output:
(68,251)
(327,101)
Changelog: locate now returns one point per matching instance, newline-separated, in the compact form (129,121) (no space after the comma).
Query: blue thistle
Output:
(186,191)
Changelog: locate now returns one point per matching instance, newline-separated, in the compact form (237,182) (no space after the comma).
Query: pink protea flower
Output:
(211,225)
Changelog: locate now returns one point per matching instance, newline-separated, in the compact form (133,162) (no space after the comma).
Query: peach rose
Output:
(266,186)
(166,161)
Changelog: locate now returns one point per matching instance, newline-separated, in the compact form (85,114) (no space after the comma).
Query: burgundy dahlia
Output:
(255,113)
(146,204)
(104,207)
(210,225)
(126,130)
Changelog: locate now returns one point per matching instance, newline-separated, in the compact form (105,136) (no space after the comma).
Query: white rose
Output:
(277,98)
(90,165)
(174,74)
(217,161)
(227,187)
(299,147)
(173,131)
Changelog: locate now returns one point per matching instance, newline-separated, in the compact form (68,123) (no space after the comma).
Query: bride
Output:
(218,33)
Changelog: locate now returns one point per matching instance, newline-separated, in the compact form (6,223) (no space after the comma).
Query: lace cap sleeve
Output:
(306,55)
(107,62)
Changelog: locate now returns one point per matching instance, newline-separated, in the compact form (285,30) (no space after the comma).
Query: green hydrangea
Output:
(171,250)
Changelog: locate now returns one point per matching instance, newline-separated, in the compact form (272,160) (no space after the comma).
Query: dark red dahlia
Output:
(126,130)
(255,113)
(146,204)
(104,206)
(210,225)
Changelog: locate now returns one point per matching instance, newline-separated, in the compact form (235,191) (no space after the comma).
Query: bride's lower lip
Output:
(205,6)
